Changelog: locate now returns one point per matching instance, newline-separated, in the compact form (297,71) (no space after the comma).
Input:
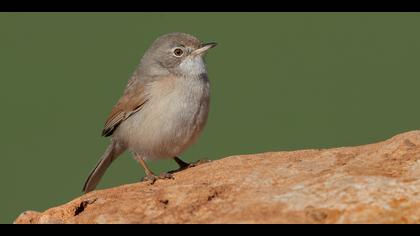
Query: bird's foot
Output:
(184,165)
(153,178)
(197,163)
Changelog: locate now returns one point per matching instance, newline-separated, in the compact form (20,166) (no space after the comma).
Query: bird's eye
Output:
(178,52)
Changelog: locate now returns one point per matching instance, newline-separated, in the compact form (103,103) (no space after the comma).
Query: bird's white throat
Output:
(193,66)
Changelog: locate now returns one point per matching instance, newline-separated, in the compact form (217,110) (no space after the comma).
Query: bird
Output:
(163,109)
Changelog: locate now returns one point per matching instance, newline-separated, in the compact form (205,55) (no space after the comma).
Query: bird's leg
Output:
(150,176)
(184,165)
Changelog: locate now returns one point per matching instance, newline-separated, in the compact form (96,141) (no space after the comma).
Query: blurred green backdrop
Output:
(280,81)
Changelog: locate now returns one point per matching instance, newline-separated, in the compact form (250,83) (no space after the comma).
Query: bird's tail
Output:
(111,153)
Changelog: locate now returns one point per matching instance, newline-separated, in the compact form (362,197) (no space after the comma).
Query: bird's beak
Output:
(204,48)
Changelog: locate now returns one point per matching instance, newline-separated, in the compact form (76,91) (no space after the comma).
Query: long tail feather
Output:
(111,153)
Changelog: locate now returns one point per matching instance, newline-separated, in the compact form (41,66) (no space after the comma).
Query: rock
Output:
(377,183)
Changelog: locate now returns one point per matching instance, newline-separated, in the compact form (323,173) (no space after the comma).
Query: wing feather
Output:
(133,99)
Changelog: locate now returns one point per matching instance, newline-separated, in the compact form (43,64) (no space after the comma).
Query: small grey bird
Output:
(163,109)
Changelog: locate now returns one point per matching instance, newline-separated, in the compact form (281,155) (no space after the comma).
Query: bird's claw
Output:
(153,178)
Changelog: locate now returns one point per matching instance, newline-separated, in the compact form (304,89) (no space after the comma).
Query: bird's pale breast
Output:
(171,120)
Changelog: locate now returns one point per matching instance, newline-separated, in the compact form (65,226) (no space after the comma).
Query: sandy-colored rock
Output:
(377,183)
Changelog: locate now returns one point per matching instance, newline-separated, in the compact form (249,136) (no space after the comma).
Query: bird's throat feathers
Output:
(193,66)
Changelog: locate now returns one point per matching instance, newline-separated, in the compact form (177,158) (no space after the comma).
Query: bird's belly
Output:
(167,125)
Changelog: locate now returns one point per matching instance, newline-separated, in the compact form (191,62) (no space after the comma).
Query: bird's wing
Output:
(133,99)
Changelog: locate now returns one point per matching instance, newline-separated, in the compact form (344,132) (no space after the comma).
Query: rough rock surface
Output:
(377,183)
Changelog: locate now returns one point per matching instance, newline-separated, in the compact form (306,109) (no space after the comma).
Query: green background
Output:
(280,81)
